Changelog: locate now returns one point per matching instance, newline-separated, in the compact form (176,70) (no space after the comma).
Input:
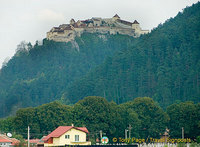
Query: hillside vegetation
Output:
(39,74)
(148,120)
(164,65)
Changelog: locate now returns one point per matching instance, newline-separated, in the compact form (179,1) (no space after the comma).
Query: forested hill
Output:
(39,74)
(164,65)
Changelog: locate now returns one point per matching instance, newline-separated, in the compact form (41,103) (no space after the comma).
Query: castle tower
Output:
(136,26)
(138,30)
(72,21)
(114,18)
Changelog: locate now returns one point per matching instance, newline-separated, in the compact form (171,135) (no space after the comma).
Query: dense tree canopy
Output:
(153,118)
(95,113)
(144,116)
(40,74)
(186,115)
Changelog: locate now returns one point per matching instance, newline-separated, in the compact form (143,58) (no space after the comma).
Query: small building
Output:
(7,142)
(67,135)
(33,142)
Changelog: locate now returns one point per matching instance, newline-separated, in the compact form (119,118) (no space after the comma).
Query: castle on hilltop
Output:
(114,25)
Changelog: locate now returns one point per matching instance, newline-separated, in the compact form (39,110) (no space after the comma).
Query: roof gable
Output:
(63,129)
(124,22)
(135,22)
(116,16)
(84,129)
(58,132)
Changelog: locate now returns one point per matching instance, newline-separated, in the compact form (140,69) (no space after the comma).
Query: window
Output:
(76,137)
(67,136)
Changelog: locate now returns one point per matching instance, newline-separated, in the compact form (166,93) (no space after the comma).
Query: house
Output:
(67,135)
(40,143)
(7,142)
(33,142)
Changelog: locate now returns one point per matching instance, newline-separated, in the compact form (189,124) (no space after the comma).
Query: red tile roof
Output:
(33,140)
(84,129)
(5,140)
(14,141)
(63,129)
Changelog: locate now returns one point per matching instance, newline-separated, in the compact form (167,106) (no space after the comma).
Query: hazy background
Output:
(29,20)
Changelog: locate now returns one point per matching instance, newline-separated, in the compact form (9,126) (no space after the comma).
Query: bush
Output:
(194,144)
(181,145)
(198,139)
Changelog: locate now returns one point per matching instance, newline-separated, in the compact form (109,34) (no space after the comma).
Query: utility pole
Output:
(101,134)
(129,129)
(182,132)
(126,133)
(28,136)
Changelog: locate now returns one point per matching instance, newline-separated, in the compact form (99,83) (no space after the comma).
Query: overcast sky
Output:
(29,20)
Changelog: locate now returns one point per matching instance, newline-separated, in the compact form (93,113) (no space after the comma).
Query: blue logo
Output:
(104,140)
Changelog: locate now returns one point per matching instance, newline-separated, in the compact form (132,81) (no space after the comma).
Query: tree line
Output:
(96,113)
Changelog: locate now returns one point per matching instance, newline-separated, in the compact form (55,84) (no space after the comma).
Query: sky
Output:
(29,20)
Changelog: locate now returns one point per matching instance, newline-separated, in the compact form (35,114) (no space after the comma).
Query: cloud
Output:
(48,15)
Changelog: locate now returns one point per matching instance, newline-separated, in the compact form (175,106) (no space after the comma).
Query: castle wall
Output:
(78,31)
(105,30)
(129,32)
(102,30)
(97,23)
(70,35)
(67,35)
(144,32)
(123,25)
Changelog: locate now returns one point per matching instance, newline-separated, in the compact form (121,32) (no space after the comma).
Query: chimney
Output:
(72,125)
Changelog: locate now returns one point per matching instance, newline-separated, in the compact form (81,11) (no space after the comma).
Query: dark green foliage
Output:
(42,119)
(185,115)
(96,113)
(40,74)
(164,65)
(7,124)
(198,139)
(153,118)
